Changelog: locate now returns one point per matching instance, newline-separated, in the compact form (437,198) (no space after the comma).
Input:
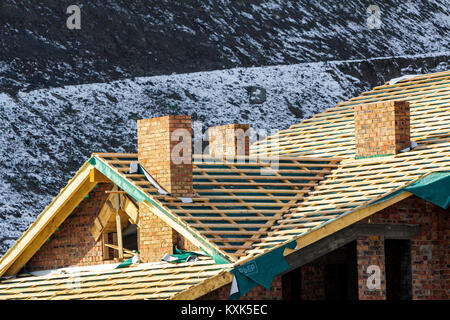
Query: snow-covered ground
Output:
(124,39)
(45,135)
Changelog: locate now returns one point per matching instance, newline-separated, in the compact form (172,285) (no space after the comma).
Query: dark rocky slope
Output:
(133,38)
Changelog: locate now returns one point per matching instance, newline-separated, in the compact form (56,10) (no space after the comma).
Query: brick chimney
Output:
(229,140)
(382,128)
(165,152)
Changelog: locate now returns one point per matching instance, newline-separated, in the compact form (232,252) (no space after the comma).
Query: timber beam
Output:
(347,235)
(209,285)
(96,176)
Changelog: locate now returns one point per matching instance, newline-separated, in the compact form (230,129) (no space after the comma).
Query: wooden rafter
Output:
(245,203)
(141,183)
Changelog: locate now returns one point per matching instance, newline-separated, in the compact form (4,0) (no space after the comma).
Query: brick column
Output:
(155,237)
(430,255)
(165,151)
(229,140)
(382,128)
(370,258)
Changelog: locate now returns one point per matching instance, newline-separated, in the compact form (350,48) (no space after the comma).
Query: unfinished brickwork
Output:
(73,244)
(165,151)
(156,238)
(430,248)
(313,280)
(229,140)
(371,268)
(382,128)
(430,258)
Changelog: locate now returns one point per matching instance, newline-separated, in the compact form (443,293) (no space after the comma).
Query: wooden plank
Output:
(118,248)
(257,159)
(186,206)
(260,177)
(229,225)
(118,155)
(224,232)
(116,252)
(118,224)
(155,269)
(338,224)
(96,176)
(227,170)
(259,191)
(278,165)
(204,287)
(221,218)
(130,209)
(257,197)
(274,184)
(242,211)
(102,219)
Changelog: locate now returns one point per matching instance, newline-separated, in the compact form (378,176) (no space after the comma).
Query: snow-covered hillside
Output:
(129,38)
(47,134)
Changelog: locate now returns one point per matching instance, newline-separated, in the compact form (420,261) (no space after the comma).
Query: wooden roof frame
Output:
(156,280)
(303,241)
(221,205)
(65,202)
(85,180)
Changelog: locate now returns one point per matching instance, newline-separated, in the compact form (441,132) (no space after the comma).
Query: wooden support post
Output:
(115,252)
(105,241)
(119,236)
(118,224)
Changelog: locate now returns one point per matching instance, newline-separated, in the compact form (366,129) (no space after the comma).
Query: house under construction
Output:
(350,204)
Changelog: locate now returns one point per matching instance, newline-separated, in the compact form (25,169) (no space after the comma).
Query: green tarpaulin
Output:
(434,188)
(129,262)
(259,271)
(181,256)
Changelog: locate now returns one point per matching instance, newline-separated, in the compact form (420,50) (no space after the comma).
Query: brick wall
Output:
(313,280)
(159,140)
(369,253)
(430,257)
(382,128)
(430,249)
(156,238)
(72,244)
(229,140)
